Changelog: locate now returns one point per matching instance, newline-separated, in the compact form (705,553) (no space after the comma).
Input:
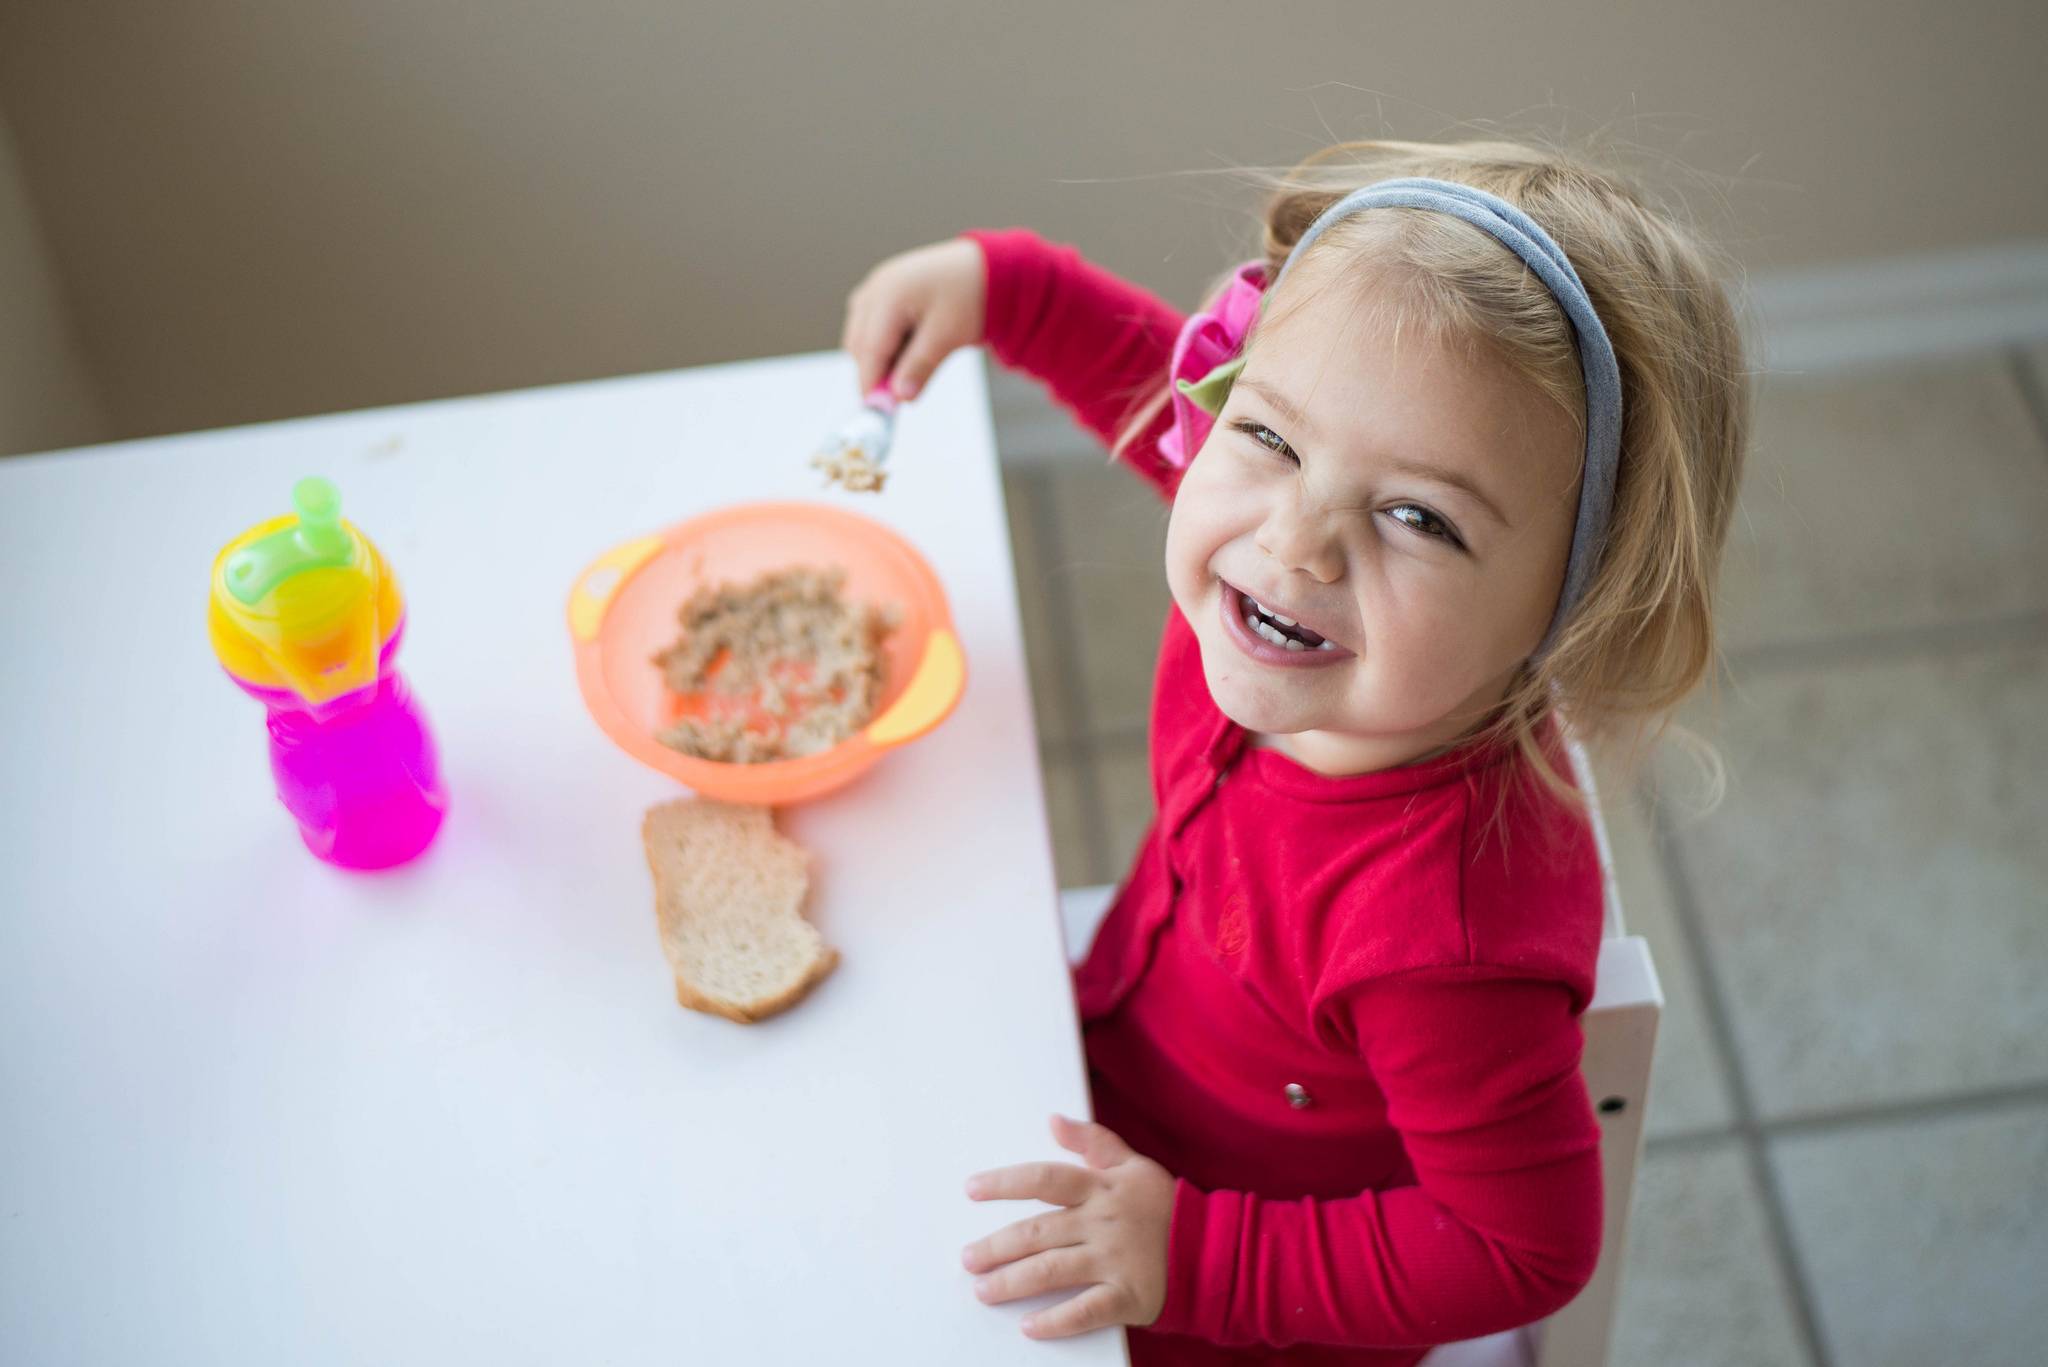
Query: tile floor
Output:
(1848,1154)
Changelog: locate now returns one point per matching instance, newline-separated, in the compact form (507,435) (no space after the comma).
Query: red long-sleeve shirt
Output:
(1342,1011)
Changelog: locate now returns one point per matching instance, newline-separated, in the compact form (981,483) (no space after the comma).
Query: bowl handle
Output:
(933,689)
(600,580)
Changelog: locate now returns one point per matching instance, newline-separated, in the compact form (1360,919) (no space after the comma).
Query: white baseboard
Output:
(1902,308)
(1808,321)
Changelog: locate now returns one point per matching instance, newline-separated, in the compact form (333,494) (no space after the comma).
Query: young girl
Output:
(1451,461)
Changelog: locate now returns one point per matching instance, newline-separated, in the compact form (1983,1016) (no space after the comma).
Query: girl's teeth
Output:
(1266,631)
(1281,618)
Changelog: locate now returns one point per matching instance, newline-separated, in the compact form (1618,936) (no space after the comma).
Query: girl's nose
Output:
(1302,538)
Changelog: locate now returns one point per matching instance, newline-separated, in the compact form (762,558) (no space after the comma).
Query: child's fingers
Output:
(928,346)
(876,336)
(1053,1270)
(1099,1307)
(1061,1184)
(875,330)
(1051,1229)
(1097,1143)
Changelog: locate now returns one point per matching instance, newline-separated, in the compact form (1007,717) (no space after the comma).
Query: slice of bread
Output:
(729,893)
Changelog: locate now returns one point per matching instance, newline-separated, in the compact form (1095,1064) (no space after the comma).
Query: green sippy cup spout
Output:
(318,504)
(316,541)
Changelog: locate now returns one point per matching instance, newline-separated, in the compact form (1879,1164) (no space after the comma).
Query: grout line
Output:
(1877,647)
(1988,1100)
(2020,1096)
(1066,669)
(1686,1140)
(2032,392)
(1714,1003)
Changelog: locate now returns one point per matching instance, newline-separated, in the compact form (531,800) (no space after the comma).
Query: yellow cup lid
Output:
(303,602)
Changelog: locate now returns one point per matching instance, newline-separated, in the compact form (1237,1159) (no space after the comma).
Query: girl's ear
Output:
(1212,391)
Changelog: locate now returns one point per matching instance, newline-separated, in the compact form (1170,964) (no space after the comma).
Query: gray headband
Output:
(1519,233)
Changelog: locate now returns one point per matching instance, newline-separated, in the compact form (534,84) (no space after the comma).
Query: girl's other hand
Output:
(1110,1237)
(912,311)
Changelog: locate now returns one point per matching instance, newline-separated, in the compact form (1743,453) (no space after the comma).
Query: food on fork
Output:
(851,468)
(853,456)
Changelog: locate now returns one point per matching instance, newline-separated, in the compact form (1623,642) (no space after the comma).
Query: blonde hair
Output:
(1642,637)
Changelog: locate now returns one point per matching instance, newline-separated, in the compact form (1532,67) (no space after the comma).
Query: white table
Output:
(260,1110)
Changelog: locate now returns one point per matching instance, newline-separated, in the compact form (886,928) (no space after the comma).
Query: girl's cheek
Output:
(1184,554)
(1220,494)
(1198,506)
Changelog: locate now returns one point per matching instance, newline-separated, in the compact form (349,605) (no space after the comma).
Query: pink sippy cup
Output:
(306,617)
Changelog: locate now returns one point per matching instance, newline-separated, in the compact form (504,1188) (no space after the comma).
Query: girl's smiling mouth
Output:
(1270,637)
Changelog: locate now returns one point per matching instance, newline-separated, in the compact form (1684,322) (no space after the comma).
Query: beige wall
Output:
(302,205)
(46,397)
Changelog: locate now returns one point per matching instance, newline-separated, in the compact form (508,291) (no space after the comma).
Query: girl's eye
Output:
(1268,438)
(1424,522)
(1413,516)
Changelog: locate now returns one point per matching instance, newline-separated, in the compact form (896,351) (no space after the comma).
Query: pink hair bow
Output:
(1206,360)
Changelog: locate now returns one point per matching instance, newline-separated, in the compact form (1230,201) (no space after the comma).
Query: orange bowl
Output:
(622,612)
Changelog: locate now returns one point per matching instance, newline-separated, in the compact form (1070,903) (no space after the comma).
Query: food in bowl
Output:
(774,669)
